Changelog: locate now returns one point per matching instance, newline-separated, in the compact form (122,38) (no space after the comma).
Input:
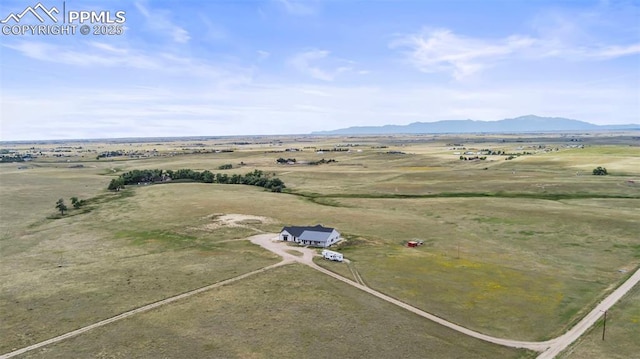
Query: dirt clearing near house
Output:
(236,220)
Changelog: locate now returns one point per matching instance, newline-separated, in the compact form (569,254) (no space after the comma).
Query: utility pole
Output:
(604,325)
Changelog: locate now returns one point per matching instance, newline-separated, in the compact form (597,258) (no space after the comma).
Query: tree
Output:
(600,171)
(61,206)
(207,176)
(222,178)
(77,203)
(235,179)
(116,184)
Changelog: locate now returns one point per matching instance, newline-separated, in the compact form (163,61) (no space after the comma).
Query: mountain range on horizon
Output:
(529,123)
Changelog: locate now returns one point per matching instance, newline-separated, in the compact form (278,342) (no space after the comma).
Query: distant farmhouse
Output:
(317,236)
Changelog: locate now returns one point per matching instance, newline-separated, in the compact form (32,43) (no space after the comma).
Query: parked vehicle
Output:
(331,255)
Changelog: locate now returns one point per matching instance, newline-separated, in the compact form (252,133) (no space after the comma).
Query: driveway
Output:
(549,349)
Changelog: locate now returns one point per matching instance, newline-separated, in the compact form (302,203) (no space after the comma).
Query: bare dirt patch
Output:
(219,220)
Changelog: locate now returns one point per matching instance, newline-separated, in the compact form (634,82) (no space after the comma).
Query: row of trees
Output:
(255,178)
(75,202)
(282,160)
(110,154)
(12,158)
(319,162)
(285,160)
(464,158)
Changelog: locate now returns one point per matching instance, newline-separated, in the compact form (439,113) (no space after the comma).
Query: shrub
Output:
(600,171)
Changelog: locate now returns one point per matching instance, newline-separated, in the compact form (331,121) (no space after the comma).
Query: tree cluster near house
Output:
(7,155)
(255,178)
(9,158)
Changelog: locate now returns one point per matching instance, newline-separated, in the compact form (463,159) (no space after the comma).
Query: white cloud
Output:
(99,54)
(298,7)
(263,55)
(108,47)
(150,84)
(441,50)
(307,63)
(102,55)
(160,21)
(213,32)
(608,52)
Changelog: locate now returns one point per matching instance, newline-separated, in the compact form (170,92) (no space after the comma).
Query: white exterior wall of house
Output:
(333,238)
(288,237)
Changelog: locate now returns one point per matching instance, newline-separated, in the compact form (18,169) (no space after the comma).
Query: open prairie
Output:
(623,322)
(288,312)
(519,242)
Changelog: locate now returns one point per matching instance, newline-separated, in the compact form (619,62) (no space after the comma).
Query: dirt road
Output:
(267,242)
(549,349)
(138,310)
(562,342)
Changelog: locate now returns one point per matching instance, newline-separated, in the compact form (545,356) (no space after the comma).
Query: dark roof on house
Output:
(297,231)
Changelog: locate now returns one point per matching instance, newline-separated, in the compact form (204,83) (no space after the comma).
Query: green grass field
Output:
(288,312)
(518,249)
(622,328)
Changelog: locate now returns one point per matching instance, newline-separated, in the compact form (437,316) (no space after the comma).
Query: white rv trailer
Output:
(331,255)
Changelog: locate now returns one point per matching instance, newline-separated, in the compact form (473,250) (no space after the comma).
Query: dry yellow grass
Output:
(288,312)
(554,257)
(623,325)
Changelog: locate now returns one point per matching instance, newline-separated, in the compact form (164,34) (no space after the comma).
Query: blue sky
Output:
(192,68)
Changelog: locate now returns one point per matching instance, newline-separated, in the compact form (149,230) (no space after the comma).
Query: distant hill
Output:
(528,123)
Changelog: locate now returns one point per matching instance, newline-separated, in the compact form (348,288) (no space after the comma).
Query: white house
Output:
(317,236)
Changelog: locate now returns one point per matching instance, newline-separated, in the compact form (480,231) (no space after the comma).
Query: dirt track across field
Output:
(138,310)
(549,349)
